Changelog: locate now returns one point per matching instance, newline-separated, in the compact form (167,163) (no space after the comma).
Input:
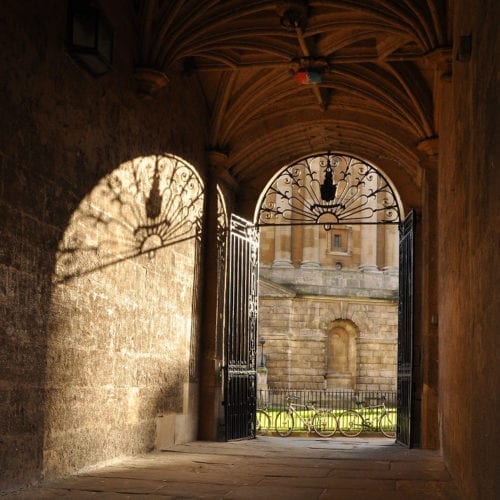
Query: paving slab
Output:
(266,468)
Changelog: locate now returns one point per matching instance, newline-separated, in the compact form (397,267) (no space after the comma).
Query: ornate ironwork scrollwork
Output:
(329,189)
(142,206)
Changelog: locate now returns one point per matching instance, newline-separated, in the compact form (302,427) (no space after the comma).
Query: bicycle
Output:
(323,422)
(262,422)
(352,422)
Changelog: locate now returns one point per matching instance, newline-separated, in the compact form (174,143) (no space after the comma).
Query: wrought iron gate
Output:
(241,330)
(332,189)
(405,333)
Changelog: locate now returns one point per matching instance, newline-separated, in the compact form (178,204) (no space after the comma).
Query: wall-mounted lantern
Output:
(89,37)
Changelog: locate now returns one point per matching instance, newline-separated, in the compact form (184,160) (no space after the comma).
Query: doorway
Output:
(342,197)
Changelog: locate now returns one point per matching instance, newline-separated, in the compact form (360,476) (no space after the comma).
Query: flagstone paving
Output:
(264,468)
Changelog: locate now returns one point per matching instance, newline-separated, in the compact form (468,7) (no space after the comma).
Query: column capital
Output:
(219,168)
(149,81)
(429,146)
(217,158)
(441,60)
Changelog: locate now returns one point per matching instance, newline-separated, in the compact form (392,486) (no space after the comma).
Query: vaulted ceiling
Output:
(375,58)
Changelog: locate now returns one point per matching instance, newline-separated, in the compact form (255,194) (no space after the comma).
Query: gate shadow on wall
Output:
(123,333)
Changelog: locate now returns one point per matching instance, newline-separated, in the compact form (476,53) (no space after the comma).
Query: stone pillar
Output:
(282,242)
(310,247)
(391,249)
(427,303)
(368,261)
(310,240)
(282,246)
(210,379)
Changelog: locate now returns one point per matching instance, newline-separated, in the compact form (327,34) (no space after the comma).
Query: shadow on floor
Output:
(265,468)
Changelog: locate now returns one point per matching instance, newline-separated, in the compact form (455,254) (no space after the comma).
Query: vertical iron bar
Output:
(240,382)
(405,330)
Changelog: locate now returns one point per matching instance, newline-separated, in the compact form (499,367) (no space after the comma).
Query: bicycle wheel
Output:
(284,423)
(351,423)
(262,422)
(387,425)
(325,423)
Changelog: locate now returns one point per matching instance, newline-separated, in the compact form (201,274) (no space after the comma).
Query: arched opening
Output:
(341,356)
(330,278)
(122,348)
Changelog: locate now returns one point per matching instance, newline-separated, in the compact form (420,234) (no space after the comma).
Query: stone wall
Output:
(297,330)
(120,330)
(328,281)
(469,304)
(109,348)
(328,306)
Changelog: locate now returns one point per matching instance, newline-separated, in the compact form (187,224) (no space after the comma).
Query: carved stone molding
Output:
(441,60)
(149,81)
(430,146)
(218,167)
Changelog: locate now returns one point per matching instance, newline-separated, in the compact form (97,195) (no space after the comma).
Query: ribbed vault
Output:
(375,100)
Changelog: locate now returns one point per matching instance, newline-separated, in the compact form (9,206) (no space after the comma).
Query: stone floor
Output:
(265,468)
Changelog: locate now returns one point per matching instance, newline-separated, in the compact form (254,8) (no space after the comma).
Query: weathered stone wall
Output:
(327,281)
(469,306)
(109,349)
(296,331)
(377,356)
(117,356)
(120,330)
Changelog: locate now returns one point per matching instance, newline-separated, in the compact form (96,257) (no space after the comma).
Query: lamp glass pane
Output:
(105,40)
(84,25)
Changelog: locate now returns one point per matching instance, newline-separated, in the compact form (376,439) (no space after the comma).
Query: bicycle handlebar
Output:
(296,398)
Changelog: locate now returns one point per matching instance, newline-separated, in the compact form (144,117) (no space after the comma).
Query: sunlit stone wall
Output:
(116,339)
(298,351)
(330,323)
(120,331)
(117,356)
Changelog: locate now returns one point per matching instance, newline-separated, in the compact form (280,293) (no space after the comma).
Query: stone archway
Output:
(329,238)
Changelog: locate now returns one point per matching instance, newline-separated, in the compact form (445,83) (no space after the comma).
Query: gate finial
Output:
(328,188)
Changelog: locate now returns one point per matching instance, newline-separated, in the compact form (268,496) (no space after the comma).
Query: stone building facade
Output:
(331,322)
